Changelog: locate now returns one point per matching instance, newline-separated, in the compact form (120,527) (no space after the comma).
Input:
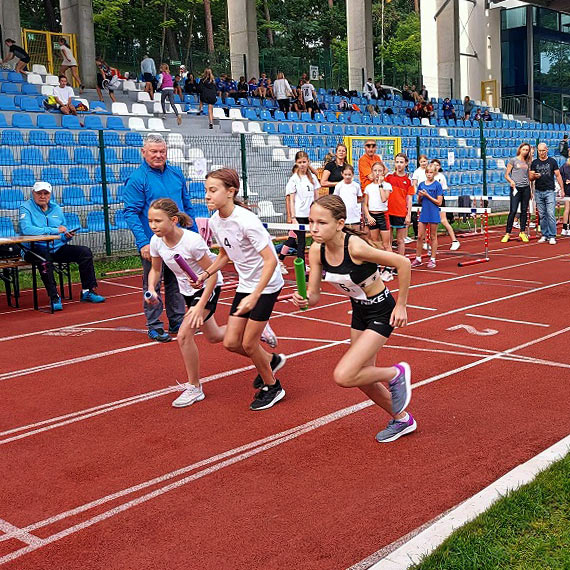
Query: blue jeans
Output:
(546,205)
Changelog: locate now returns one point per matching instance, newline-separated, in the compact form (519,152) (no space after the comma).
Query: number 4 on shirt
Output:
(227,243)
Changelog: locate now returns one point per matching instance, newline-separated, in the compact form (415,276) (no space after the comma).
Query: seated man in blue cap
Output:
(40,216)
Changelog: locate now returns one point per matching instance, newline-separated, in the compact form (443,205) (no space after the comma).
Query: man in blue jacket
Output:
(152,180)
(41,216)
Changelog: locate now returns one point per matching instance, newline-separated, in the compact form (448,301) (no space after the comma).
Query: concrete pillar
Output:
(77,18)
(10,15)
(360,42)
(242,21)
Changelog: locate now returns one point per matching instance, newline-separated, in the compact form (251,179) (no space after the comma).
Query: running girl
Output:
(244,240)
(345,260)
(376,208)
(430,196)
(168,240)
(351,194)
(440,177)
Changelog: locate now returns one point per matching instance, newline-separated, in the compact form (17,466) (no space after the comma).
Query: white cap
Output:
(39,186)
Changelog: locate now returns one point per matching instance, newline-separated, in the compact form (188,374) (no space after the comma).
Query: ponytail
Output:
(170,208)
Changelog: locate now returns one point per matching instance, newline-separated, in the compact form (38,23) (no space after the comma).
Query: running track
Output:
(99,471)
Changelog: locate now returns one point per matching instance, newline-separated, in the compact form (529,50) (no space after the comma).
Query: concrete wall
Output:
(10,15)
(360,42)
(242,21)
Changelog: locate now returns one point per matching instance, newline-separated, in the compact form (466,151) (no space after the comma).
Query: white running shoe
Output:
(408,239)
(552,241)
(189,396)
(284,269)
(387,275)
(542,240)
(516,224)
(532,225)
(268,336)
(455,245)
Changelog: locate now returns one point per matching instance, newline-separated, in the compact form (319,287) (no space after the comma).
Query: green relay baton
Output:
(299,265)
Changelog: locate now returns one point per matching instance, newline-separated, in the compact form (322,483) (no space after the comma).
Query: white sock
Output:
(433,259)
(84,290)
(404,419)
(418,258)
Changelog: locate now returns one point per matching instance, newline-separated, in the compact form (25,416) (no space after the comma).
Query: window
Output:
(514,18)
(547,19)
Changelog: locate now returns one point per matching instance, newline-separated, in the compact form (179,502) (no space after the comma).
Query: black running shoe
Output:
(277,362)
(267,397)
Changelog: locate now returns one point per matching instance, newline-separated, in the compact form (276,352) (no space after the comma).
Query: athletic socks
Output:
(405,418)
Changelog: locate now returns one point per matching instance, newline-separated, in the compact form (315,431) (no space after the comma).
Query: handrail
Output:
(534,109)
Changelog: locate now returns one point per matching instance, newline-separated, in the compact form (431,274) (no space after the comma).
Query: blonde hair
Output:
(164,67)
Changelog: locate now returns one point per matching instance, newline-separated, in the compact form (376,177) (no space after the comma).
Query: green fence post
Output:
(483,143)
(105,195)
(418,150)
(243,166)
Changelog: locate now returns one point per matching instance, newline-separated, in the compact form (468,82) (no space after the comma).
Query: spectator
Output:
(424,93)
(478,116)
(369,90)
(104,73)
(183,72)
(309,97)
(415,94)
(69,62)
(448,109)
(486,115)
(382,93)
(15,51)
(407,94)
(166,84)
(207,89)
(366,161)
(252,83)
(177,88)
(190,84)
(148,70)
(332,173)
(430,111)
(297,104)
(152,180)
(344,105)
(222,87)
(63,95)
(563,146)
(517,177)
(40,216)
(350,193)
(242,88)
(282,91)
(261,90)
(231,88)
(467,107)
(543,170)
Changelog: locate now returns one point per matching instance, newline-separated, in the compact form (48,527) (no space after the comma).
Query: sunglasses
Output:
(370,145)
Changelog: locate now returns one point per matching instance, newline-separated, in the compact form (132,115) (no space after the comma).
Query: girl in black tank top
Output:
(350,264)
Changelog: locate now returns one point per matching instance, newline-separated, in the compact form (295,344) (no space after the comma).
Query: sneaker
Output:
(173,329)
(267,397)
(542,240)
(552,241)
(431,264)
(523,237)
(283,269)
(532,225)
(386,275)
(179,119)
(92,297)
(277,362)
(210,126)
(56,304)
(516,224)
(189,396)
(564,232)
(396,429)
(268,336)
(159,335)
(401,388)
(408,239)
(425,246)
(505,238)
(416,262)
(455,245)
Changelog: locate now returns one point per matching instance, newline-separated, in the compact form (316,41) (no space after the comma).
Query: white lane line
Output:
(275,440)
(421,308)
(139,288)
(23,536)
(429,539)
(508,279)
(436,271)
(506,320)
(304,339)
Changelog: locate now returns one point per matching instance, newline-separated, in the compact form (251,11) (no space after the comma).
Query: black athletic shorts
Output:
(148,77)
(381,221)
(373,313)
(397,222)
(262,311)
(211,303)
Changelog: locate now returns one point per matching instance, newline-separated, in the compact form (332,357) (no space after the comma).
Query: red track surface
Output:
(101,472)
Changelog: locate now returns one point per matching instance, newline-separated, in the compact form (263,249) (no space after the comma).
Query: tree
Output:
(209,27)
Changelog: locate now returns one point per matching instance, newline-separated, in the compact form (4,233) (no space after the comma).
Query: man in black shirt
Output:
(542,171)
(16,51)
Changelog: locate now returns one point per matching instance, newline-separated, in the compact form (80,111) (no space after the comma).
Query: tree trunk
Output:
(172,45)
(51,18)
(209,29)
(331,3)
(188,58)
(417,6)
(268,20)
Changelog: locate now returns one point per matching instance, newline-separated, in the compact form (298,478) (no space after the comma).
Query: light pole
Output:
(382,46)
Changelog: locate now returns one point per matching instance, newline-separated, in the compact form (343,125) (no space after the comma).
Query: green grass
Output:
(529,529)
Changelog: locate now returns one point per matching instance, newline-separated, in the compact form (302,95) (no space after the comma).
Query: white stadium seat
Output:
(129,85)
(254,127)
(35,79)
(119,109)
(219,113)
(41,69)
(265,209)
(51,80)
(136,124)
(279,155)
(238,127)
(156,125)
(176,140)
(142,96)
(236,114)
(139,109)
(195,153)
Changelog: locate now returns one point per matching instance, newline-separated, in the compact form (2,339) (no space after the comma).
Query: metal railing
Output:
(525,106)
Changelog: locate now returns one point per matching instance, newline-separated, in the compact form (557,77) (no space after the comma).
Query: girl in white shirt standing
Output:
(244,241)
(376,196)
(168,240)
(69,62)
(440,177)
(301,191)
(351,194)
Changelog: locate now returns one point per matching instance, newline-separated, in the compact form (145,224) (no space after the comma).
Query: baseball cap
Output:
(39,186)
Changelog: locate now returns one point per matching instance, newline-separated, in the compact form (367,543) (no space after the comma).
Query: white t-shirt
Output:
(307,89)
(243,236)
(68,58)
(304,189)
(419,175)
(375,203)
(281,89)
(192,248)
(440,177)
(349,194)
(65,94)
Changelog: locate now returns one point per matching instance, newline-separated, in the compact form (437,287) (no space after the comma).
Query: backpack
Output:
(563,148)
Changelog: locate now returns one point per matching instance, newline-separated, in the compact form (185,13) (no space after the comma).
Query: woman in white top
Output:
(418,177)
(244,241)
(69,62)
(282,91)
(375,208)
(301,191)
(351,194)
(440,177)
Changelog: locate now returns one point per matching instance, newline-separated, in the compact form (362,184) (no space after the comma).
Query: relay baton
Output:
(299,265)
(185,267)
(149,297)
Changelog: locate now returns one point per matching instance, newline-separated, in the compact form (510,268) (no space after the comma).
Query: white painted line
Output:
(429,539)
(23,536)
(304,339)
(506,320)
(421,308)
(139,288)
(507,279)
(436,271)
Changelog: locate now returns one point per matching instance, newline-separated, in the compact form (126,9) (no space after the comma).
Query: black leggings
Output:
(284,105)
(521,195)
(168,94)
(301,235)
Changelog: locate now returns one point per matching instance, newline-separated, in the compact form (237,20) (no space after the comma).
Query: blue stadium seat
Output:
(70,122)
(111,156)
(120,222)
(284,128)
(350,130)
(133,139)
(39,138)
(269,128)
(79,175)
(7,103)
(84,155)
(93,122)
(7,157)
(306,117)
(32,155)
(110,138)
(88,138)
(22,121)
(15,77)
(125,172)
(98,107)
(131,156)
(47,122)
(298,128)
(338,130)
(314,129)
(23,177)
(29,89)
(110,174)
(3,123)
(361,131)
(53,175)
(325,129)
(58,155)
(96,222)
(250,114)
(196,190)
(10,89)
(116,123)
(280,116)
(331,117)
(6,227)
(96,195)
(65,139)
(31,105)
(74,196)
(11,199)
(72,221)
(265,115)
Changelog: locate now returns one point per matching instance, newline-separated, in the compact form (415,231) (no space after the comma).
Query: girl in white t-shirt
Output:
(244,241)
(375,206)
(168,240)
(440,177)
(301,191)
(351,194)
